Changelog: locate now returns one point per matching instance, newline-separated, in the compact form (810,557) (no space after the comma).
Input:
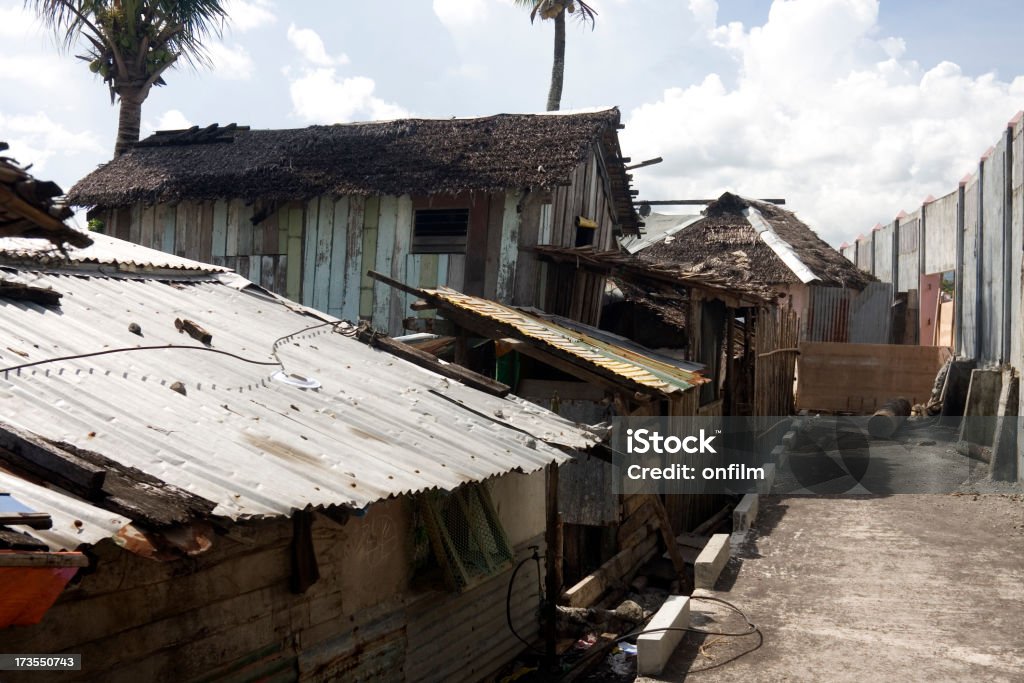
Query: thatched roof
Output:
(408,156)
(28,209)
(744,241)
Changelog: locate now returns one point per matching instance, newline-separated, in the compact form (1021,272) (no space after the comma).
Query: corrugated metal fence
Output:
(838,314)
(976,231)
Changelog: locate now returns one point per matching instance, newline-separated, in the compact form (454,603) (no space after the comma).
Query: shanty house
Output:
(751,243)
(261,496)
(306,213)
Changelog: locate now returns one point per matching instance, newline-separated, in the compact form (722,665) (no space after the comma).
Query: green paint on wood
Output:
(309,239)
(371,219)
(335,273)
(351,290)
(166,217)
(509,253)
(399,301)
(322,257)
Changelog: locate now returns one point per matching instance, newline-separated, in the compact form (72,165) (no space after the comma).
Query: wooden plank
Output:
(352,262)
(182,218)
(239,217)
(292,265)
(148,230)
(454,269)
(255,268)
(509,251)
(165,217)
(322,256)
(135,224)
(386,228)
(281,274)
(206,234)
(398,306)
(25,451)
(859,378)
(492,256)
(219,245)
(525,289)
(371,220)
(476,244)
(335,268)
(267,266)
(310,244)
(271,229)
(41,559)
(33,520)
(432,363)
(427,271)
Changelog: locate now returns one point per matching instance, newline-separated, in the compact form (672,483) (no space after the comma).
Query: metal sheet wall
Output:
(909,243)
(993,184)
(870,314)
(883,253)
(940,234)
(972,193)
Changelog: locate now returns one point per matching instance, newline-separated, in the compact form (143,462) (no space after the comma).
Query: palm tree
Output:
(131,43)
(556,11)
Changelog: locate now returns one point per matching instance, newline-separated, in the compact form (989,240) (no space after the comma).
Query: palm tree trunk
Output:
(129,118)
(558,65)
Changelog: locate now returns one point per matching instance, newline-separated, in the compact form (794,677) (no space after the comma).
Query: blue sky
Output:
(851,109)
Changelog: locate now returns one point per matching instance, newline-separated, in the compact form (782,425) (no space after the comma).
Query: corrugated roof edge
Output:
(104,251)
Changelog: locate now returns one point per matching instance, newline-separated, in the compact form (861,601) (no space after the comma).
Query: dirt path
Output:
(896,588)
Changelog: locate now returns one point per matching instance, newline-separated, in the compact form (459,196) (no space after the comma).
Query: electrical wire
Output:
(752,628)
(508,598)
(138,348)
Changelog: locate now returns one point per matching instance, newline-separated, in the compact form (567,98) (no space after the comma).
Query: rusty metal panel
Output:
(828,314)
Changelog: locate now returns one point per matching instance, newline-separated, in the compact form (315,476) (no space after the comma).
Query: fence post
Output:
(958,273)
(1008,312)
(896,255)
(979,260)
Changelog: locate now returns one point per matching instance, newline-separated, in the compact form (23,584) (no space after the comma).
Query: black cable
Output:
(750,631)
(508,599)
(139,348)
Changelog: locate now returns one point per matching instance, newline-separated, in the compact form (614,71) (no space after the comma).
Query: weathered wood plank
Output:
(135,224)
(371,219)
(240,216)
(310,244)
(322,257)
(281,274)
(206,235)
(492,258)
(353,277)
(509,253)
(525,288)
(165,226)
(454,271)
(335,272)
(398,306)
(386,229)
(148,229)
(292,265)
(181,224)
(267,265)
(219,245)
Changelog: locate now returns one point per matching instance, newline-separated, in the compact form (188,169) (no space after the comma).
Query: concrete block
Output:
(789,438)
(654,649)
(780,456)
(1003,466)
(744,514)
(765,485)
(711,561)
(982,402)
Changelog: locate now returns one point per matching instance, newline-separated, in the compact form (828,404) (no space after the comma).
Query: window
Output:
(440,231)
(466,536)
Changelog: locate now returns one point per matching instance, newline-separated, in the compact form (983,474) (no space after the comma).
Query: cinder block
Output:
(780,456)
(744,514)
(789,438)
(711,561)
(654,649)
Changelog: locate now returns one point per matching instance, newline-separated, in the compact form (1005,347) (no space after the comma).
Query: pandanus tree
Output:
(555,10)
(131,43)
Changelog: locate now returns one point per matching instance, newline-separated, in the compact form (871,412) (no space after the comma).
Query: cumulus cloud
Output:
(320,96)
(311,47)
(245,16)
(172,119)
(232,62)
(822,111)
(36,138)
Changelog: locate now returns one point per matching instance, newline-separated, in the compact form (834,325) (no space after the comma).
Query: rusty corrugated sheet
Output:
(624,362)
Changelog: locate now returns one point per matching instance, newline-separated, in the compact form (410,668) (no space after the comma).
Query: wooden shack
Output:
(448,202)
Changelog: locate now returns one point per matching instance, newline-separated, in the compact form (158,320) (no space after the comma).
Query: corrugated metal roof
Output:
(624,362)
(75,522)
(105,250)
(377,426)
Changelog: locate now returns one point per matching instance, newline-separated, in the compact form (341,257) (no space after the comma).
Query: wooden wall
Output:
(228,614)
(317,252)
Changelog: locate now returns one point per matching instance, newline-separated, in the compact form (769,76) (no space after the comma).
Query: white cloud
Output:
(232,63)
(456,14)
(311,47)
(823,112)
(245,16)
(172,119)
(320,96)
(36,138)
(16,22)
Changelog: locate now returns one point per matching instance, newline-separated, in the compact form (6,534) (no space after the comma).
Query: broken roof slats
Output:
(620,361)
(201,442)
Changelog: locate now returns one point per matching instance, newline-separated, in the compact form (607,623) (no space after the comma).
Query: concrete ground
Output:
(855,588)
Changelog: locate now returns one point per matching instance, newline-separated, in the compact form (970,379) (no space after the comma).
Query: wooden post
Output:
(553,577)
(730,374)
